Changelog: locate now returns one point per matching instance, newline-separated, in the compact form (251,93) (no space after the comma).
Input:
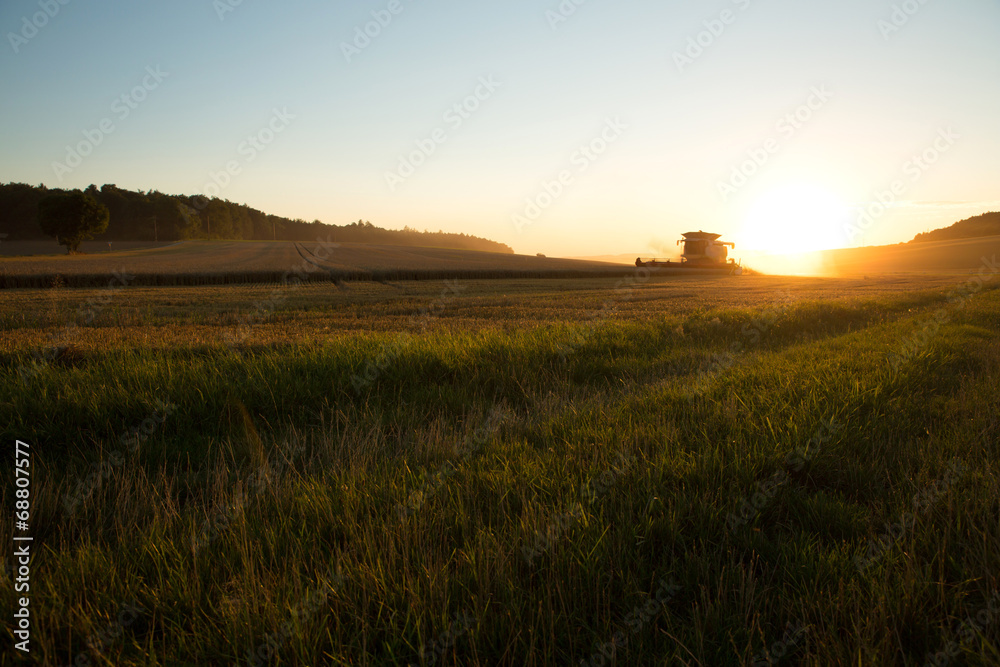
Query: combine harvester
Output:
(703,254)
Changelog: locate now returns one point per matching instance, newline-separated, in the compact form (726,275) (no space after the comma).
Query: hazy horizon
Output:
(167,98)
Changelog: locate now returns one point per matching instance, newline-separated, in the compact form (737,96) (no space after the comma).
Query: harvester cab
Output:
(704,248)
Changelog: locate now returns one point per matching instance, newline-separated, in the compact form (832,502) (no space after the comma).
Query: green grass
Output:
(520,494)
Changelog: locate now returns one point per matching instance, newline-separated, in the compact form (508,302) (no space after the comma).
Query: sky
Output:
(572,128)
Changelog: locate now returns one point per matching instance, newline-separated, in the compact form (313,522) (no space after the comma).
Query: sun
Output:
(795,218)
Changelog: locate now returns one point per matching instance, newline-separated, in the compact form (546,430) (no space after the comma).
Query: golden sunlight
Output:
(795,218)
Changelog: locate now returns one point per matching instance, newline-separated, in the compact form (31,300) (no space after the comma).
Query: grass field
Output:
(648,470)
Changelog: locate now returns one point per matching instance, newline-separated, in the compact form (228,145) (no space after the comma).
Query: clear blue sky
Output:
(677,132)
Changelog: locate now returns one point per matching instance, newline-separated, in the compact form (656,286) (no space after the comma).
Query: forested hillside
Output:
(148,216)
(987,224)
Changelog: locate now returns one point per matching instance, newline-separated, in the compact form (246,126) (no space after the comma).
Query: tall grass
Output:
(283,510)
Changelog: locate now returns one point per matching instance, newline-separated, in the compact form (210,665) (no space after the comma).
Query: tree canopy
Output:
(72,217)
(155,216)
(987,224)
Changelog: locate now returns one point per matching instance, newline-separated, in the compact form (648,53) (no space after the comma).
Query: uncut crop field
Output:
(630,470)
(50,247)
(226,262)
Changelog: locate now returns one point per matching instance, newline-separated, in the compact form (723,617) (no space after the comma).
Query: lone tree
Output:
(72,217)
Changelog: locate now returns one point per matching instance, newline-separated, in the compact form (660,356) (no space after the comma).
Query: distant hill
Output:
(987,224)
(951,256)
(152,215)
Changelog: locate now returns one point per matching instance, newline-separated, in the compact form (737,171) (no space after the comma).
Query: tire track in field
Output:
(308,256)
(337,273)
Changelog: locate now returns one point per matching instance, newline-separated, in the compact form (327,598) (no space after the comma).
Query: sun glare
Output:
(795,218)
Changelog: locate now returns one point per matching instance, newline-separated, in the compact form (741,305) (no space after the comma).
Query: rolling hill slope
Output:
(960,255)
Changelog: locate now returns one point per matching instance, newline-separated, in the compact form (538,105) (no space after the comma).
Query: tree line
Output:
(155,216)
(987,224)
